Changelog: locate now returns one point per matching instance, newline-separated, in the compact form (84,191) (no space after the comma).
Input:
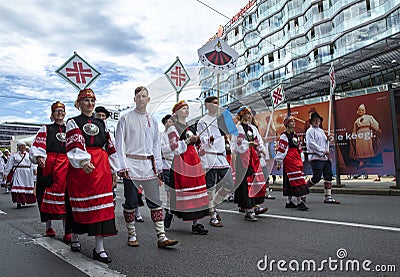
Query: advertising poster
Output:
(364,135)
(397,105)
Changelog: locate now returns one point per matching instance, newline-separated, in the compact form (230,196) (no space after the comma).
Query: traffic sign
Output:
(78,72)
(177,75)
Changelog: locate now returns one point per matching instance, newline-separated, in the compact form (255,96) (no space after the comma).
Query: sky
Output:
(131,43)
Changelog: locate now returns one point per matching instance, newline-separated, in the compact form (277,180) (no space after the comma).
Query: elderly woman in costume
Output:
(366,129)
(250,180)
(91,154)
(19,166)
(48,152)
(290,154)
(189,200)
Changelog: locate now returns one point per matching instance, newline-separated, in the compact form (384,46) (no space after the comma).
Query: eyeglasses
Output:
(59,111)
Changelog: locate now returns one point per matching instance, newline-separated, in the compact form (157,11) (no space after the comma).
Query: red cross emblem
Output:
(277,96)
(177,75)
(78,72)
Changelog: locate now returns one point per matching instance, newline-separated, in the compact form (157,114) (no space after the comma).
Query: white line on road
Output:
(386,228)
(78,260)
(2,212)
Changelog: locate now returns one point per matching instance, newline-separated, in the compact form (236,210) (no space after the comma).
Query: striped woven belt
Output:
(215,153)
(139,157)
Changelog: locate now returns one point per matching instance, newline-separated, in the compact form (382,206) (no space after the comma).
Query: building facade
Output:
(294,42)
(8,130)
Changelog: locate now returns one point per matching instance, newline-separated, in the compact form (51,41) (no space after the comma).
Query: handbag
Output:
(47,181)
(12,171)
(10,175)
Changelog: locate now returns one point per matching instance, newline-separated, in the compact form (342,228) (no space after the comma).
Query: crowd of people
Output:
(200,165)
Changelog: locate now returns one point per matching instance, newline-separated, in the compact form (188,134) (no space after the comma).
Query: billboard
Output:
(364,135)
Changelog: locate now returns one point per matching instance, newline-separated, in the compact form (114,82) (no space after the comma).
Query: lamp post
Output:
(201,104)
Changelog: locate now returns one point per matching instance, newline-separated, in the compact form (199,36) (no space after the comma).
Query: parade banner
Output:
(364,135)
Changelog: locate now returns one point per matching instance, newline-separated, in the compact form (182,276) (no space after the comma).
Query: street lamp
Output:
(197,100)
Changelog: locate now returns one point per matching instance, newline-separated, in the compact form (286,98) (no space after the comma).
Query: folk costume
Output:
(317,145)
(189,200)
(218,171)
(250,180)
(138,146)
(167,158)
(22,189)
(51,180)
(291,155)
(91,195)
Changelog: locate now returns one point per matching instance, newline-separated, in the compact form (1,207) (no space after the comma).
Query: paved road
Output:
(362,228)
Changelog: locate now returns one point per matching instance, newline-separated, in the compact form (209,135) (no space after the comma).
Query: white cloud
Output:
(131,43)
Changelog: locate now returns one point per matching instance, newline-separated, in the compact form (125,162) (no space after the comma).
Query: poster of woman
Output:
(364,135)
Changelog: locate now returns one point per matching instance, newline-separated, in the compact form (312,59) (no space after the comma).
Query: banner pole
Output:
(269,123)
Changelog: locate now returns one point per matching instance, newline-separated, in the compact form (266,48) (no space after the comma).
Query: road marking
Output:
(2,212)
(378,227)
(78,260)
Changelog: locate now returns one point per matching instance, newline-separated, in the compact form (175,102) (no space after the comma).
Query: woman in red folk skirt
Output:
(91,154)
(189,199)
(290,154)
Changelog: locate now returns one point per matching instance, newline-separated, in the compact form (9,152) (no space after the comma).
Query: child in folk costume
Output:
(249,178)
(49,153)
(19,166)
(189,199)
(290,154)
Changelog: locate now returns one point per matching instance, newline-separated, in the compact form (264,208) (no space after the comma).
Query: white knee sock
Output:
(100,246)
(289,199)
(137,211)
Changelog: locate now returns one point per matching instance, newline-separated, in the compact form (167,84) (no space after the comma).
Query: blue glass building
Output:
(294,42)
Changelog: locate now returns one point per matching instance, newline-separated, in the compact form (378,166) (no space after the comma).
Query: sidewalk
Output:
(355,186)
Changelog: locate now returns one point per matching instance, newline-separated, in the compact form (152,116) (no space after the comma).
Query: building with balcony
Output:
(294,42)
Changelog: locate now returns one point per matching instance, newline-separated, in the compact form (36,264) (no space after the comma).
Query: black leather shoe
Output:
(74,247)
(96,256)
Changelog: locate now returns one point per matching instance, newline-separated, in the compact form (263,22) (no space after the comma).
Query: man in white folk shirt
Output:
(319,156)
(218,171)
(138,146)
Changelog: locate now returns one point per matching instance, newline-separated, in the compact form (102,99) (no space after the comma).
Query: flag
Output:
(332,79)
(277,96)
(226,124)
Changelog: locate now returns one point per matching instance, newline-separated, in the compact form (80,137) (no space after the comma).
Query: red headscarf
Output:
(57,105)
(179,105)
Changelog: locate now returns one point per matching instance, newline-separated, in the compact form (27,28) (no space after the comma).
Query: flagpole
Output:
(331,88)
(218,89)
(269,123)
